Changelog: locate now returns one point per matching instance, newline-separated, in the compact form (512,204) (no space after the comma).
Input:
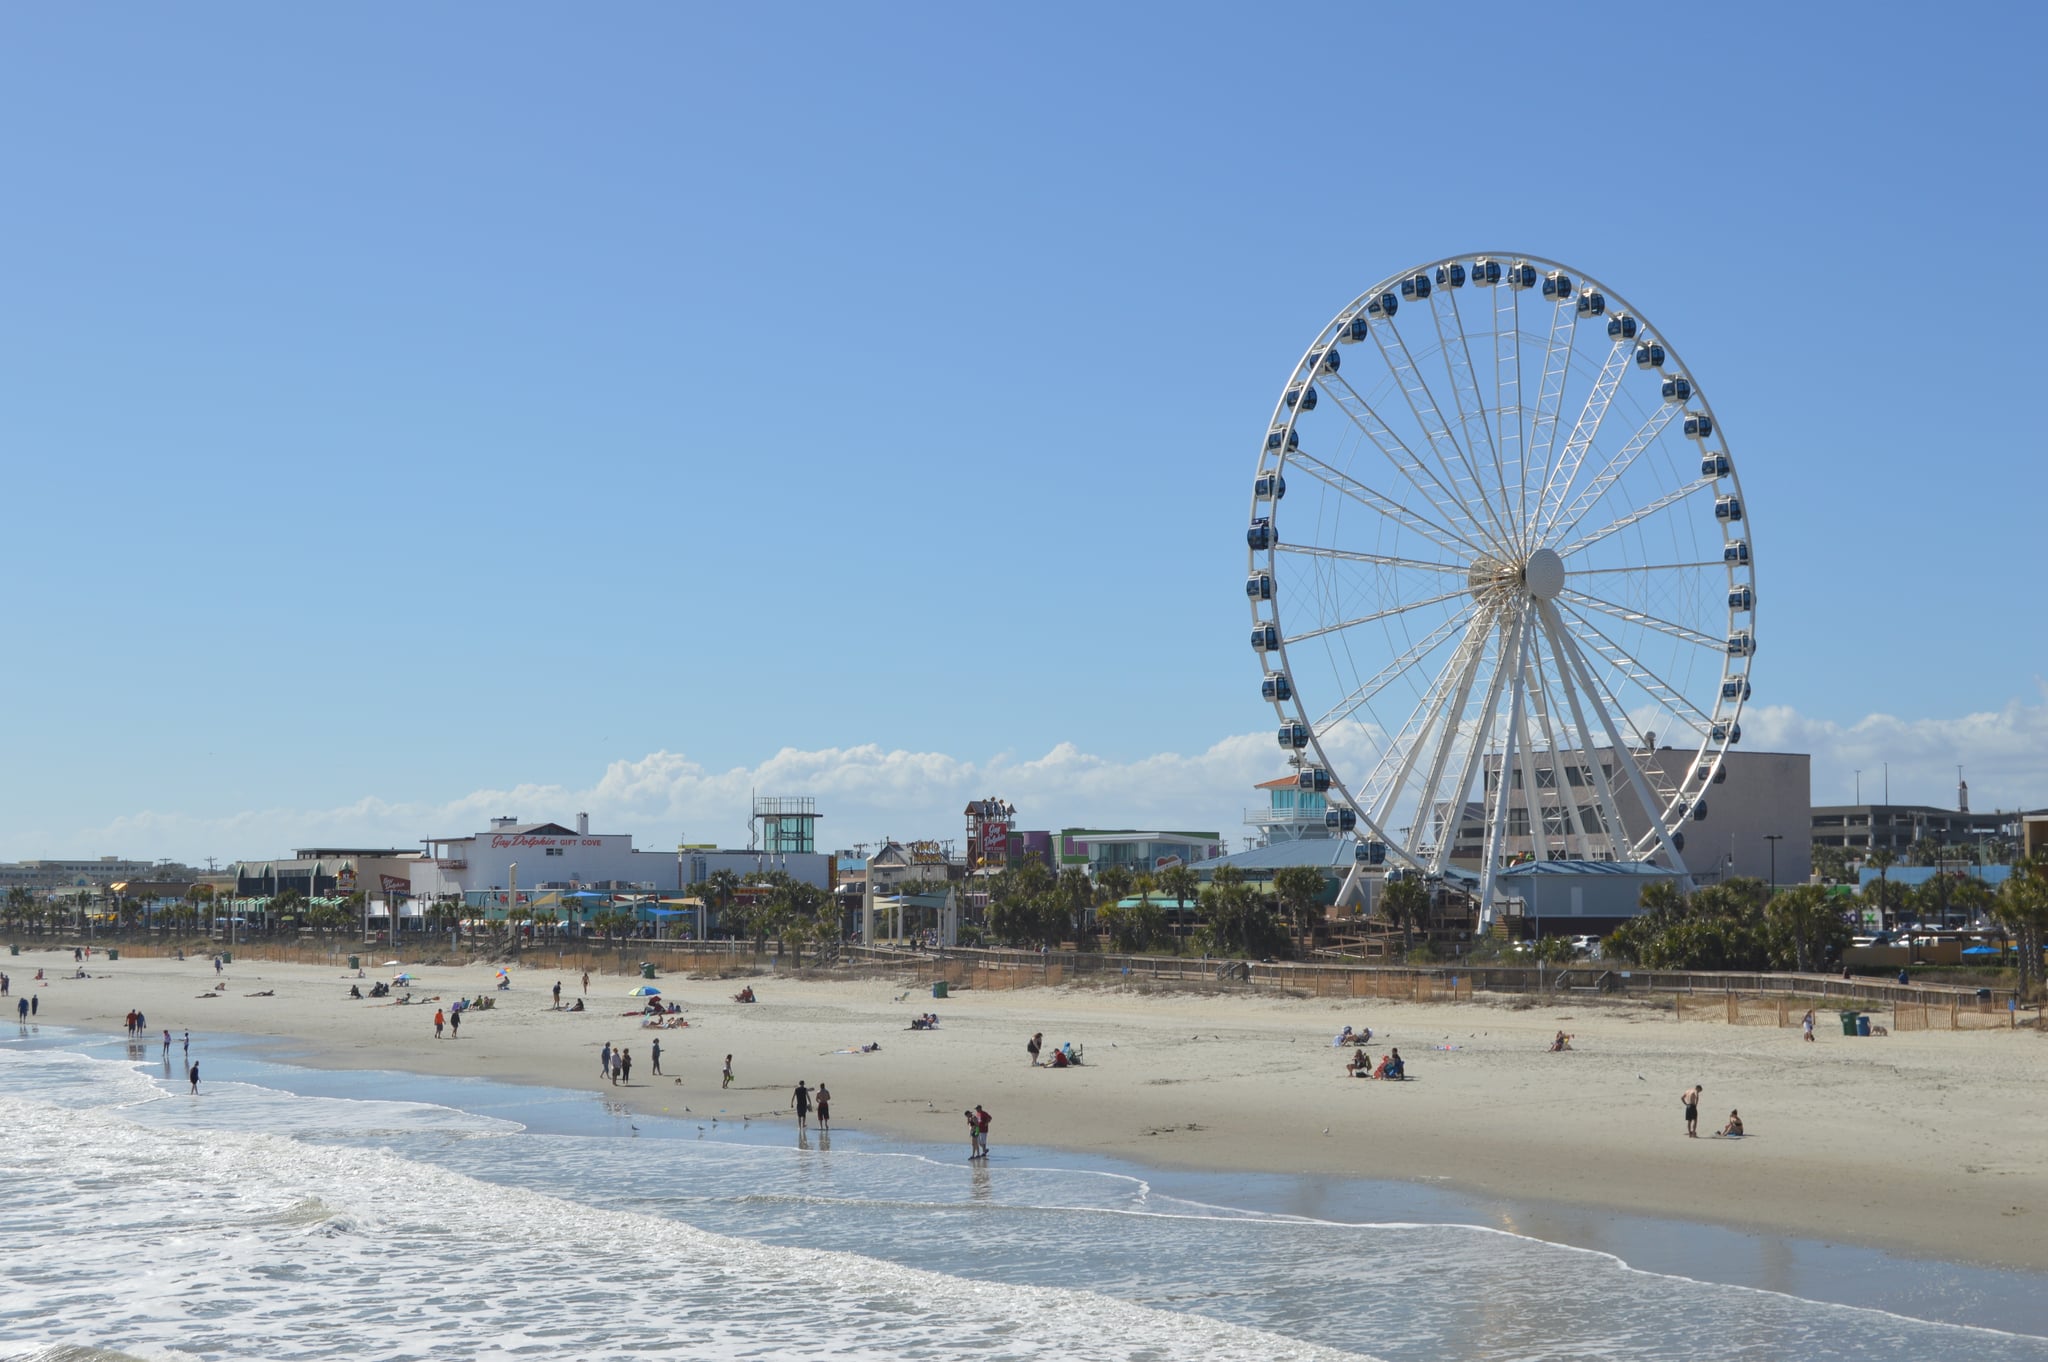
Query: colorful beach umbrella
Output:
(645,991)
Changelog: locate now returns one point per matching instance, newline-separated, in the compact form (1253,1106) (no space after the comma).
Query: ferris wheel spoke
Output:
(1651,567)
(1646,620)
(1507,379)
(1557,363)
(1376,559)
(1450,541)
(1376,616)
(1623,460)
(1482,724)
(1646,679)
(1653,808)
(1422,405)
(1585,431)
(1446,501)
(1668,500)
(1399,667)
(1465,385)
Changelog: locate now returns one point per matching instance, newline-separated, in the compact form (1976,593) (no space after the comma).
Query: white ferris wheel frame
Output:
(1493,551)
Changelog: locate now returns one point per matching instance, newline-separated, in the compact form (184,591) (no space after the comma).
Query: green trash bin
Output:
(646,969)
(355,962)
(939,989)
(227,957)
(1848,1023)
(113,952)
(14,950)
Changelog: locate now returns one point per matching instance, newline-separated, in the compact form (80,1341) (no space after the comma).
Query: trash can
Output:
(355,962)
(14,950)
(1848,1023)
(227,957)
(113,952)
(1863,1024)
(939,989)
(646,969)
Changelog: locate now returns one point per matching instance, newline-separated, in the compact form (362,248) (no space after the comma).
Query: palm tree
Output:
(1299,889)
(1406,903)
(1185,887)
(1884,860)
(2022,909)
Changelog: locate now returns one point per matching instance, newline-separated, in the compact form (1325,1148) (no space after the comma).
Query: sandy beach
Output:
(1927,1143)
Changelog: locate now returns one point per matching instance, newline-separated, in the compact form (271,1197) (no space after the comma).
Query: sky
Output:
(419,414)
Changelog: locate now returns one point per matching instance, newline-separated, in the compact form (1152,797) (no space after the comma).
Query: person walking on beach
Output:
(1691,1098)
(824,1107)
(801,1100)
(558,995)
(586,983)
(981,1126)
(188,1045)
(455,1024)
(728,1073)
(167,1045)
(1036,1043)
(625,1066)
(973,1136)
(604,1060)
(21,1011)
(35,1004)
(193,1074)
(655,1054)
(1806,1024)
(440,1021)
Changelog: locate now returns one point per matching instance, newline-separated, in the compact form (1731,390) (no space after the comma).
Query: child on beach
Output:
(973,1135)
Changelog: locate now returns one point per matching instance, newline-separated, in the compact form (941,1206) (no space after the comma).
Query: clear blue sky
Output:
(879,386)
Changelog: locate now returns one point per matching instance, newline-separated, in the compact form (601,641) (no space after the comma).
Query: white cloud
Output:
(866,792)
(2003,753)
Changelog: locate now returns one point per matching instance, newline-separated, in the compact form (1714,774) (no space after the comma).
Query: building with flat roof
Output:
(550,856)
(1860,829)
(1097,849)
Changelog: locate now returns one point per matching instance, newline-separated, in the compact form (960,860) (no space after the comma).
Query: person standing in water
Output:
(193,1074)
(801,1100)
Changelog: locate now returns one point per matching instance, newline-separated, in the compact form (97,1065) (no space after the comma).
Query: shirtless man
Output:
(1691,1098)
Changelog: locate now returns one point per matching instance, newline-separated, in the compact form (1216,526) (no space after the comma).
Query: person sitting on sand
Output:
(1341,1038)
(1397,1067)
(576,1006)
(1381,1071)
(1360,1065)
(1734,1126)
(355,992)
(1059,1060)
(1563,1042)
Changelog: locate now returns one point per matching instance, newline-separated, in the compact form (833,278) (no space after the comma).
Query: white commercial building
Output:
(549,856)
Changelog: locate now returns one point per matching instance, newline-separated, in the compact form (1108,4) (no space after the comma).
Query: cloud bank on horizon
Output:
(866,793)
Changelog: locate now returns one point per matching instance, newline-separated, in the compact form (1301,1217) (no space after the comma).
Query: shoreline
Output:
(1201,1085)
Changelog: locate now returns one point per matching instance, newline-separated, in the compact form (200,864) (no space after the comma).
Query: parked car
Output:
(1586,946)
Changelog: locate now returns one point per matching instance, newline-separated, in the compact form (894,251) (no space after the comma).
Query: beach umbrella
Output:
(645,991)
(393,962)
(401,978)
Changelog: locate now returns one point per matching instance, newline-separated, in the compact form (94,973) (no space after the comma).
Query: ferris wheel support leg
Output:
(1496,832)
(1353,888)
(1621,757)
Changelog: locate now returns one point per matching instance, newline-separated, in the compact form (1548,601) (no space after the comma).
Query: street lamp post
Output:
(1774,838)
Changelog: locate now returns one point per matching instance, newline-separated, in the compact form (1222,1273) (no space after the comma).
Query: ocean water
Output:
(289,1213)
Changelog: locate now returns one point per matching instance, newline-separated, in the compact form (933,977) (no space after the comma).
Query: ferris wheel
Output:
(1501,581)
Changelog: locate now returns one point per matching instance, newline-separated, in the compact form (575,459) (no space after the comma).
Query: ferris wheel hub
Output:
(1543,574)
